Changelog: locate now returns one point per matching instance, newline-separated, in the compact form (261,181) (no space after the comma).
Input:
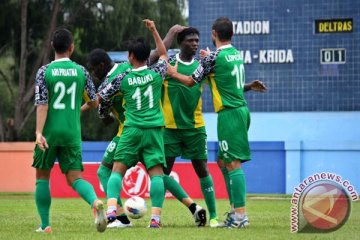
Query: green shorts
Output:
(110,150)
(187,143)
(69,158)
(232,129)
(138,144)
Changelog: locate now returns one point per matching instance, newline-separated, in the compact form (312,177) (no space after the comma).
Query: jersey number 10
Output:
(239,73)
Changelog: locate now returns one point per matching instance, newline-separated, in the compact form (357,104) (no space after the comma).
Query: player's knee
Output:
(167,171)
(69,182)
(156,170)
(202,173)
(201,168)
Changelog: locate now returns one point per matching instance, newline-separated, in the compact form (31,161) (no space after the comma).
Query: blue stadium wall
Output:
(313,102)
(266,29)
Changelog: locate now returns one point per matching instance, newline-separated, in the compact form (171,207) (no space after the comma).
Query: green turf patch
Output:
(72,219)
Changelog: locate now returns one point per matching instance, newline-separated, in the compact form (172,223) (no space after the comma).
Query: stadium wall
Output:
(305,51)
(313,142)
(286,148)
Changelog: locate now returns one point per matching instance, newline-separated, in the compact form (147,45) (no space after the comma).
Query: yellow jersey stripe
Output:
(86,97)
(199,120)
(167,109)
(215,94)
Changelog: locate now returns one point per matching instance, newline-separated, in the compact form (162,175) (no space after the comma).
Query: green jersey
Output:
(141,90)
(225,68)
(114,105)
(61,85)
(182,105)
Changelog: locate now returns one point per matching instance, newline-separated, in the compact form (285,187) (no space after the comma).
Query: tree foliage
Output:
(26,27)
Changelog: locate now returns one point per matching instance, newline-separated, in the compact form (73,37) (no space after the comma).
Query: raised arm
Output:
(160,47)
(168,40)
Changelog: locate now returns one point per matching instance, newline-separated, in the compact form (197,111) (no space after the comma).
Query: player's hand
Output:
(100,99)
(150,24)
(171,70)
(177,28)
(41,142)
(204,53)
(258,86)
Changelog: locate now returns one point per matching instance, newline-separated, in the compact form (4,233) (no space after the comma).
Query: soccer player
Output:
(225,68)
(142,136)
(185,127)
(184,123)
(101,65)
(105,69)
(59,89)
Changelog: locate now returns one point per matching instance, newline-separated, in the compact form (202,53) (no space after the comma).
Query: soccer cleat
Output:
(46,230)
(226,221)
(214,223)
(154,224)
(118,224)
(100,221)
(200,216)
(233,222)
(111,216)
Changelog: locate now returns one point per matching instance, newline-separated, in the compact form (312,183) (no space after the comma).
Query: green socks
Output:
(207,188)
(114,185)
(238,187)
(227,183)
(157,191)
(175,188)
(85,190)
(104,174)
(43,201)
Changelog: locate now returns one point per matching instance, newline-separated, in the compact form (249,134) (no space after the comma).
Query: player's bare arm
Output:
(168,40)
(41,115)
(84,107)
(206,66)
(160,47)
(172,72)
(99,97)
(93,104)
(255,85)
(88,105)
(204,53)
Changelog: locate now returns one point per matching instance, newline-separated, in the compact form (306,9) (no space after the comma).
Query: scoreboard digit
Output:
(333,56)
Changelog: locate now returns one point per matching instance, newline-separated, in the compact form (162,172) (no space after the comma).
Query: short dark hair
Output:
(140,47)
(187,31)
(62,39)
(224,28)
(97,56)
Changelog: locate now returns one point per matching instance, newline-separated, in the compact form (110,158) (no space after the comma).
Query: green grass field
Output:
(72,219)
